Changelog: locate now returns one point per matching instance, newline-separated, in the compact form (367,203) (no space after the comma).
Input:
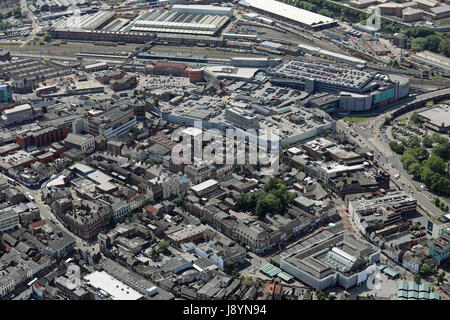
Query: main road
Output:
(369,134)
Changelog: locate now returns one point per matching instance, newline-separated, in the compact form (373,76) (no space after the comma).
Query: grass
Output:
(443,22)
(447,200)
(355,119)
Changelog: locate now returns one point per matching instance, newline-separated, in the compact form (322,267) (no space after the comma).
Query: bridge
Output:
(138,51)
(420,101)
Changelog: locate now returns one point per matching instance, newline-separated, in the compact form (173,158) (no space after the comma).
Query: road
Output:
(370,136)
(47,214)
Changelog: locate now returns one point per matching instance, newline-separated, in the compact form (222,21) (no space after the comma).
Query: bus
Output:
(32,282)
(12,182)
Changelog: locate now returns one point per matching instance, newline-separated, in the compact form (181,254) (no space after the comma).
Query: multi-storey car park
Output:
(358,90)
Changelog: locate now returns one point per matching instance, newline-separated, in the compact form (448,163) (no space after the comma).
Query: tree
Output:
(16,12)
(1,15)
(437,202)
(236,273)
(2,25)
(444,47)
(415,169)
(203,220)
(178,202)
(419,153)
(425,269)
(442,150)
(320,295)
(396,147)
(387,121)
(427,141)
(229,265)
(436,164)
(407,159)
(418,44)
(112,221)
(417,278)
(47,37)
(163,246)
(441,277)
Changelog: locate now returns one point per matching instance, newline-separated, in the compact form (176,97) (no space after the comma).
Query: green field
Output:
(443,22)
(355,119)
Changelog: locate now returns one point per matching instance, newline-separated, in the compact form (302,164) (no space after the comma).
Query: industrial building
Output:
(17,115)
(290,14)
(436,118)
(332,55)
(188,19)
(433,60)
(331,258)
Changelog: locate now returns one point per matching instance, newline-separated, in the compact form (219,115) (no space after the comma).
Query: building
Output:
(111,123)
(182,19)
(290,14)
(332,258)
(9,219)
(436,118)
(85,143)
(17,115)
(439,248)
(434,60)
(5,93)
(38,136)
(376,213)
(241,118)
(109,288)
(126,82)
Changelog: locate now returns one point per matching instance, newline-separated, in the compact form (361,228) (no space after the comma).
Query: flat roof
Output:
(437,116)
(204,185)
(116,289)
(293,13)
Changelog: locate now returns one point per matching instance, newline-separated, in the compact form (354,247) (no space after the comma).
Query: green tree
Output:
(387,121)
(415,169)
(417,278)
(441,277)
(444,47)
(163,246)
(16,12)
(442,150)
(415,118)
(425,269)
(2,25)
(47,37)
(178,202)
(407,159)
(236,273)
(396,147)
(320,295)
(437,202)
(427,141)
(112,221)
(436,164)
(229,265)
(419,153)
(418,44)
(203,220)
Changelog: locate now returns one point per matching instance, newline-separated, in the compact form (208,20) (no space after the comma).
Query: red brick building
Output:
(42,137)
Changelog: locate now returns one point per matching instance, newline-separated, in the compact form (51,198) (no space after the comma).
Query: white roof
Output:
(115,288)
(204,185)
(22,107)
(296,14)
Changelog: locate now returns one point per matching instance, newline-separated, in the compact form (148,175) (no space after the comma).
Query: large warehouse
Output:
(291,14)
(193,20)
